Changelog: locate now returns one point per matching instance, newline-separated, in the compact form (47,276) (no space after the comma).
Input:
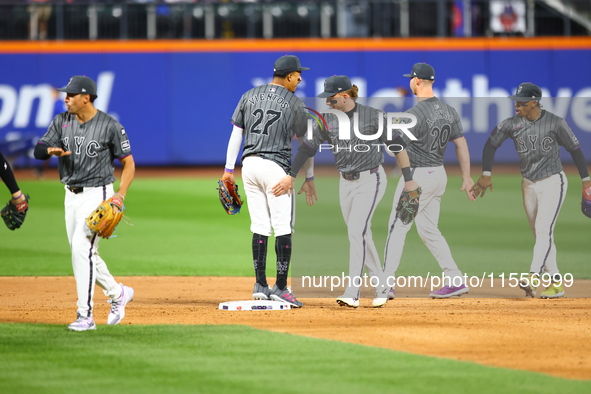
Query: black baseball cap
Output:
(336,84)
(288,63)
(421,71)
(527,91)
(80,84)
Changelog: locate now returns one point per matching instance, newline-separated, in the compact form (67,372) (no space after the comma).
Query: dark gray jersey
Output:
(94,145)
(353,154)
(537,143)
(437,125)
(270,116)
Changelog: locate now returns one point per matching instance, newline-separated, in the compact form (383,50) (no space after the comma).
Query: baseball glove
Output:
(15,215)
(586,202)
(229,197)
(103,220)
(408,205)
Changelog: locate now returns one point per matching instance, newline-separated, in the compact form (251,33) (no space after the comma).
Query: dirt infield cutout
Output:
(548,336)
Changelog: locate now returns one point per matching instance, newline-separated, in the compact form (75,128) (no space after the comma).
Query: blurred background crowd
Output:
(213,19)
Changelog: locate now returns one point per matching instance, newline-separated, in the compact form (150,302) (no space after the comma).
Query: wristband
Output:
(486,173)
(230,170)
(586,179)
(311,178)
(16,198)
(119,194)
(407,174)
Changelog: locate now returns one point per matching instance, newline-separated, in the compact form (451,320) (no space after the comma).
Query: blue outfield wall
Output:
(176,106)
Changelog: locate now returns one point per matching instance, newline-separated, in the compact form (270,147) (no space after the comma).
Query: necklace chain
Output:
(539,115)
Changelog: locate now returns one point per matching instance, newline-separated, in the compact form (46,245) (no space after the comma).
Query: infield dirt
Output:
(548,336)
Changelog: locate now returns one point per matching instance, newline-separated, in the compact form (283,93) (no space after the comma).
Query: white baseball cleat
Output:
(348,301)
(382,296)
(117,312)
(83,324)
(379,302)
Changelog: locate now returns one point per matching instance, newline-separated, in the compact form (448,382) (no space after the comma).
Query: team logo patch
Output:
(125,145)
(123,131)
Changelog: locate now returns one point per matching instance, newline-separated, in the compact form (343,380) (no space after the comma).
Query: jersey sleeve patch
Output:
(125,145)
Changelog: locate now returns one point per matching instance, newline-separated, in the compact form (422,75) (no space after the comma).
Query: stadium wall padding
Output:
(176,100)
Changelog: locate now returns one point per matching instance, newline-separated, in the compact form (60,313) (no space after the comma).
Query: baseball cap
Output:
(336,84)
(288,63)
(527,91)
(421,71)
(80,84)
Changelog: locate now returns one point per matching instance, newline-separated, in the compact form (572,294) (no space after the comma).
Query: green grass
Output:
(179,228)
(489,235)
(235,359)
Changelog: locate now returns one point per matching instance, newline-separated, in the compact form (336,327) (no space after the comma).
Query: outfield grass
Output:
(179,228)
(235,359)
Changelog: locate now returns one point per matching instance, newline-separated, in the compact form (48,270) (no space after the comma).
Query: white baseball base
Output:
(254,305)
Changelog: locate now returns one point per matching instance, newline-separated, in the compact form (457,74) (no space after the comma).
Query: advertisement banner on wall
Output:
(176,106)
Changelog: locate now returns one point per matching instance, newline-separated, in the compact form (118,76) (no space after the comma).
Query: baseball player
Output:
(268,117)
(437,125)
(18,198)
(537,135)
(362,182)
(86,140)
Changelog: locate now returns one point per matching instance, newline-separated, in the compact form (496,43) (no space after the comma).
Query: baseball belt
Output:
(353,176)
(76,189)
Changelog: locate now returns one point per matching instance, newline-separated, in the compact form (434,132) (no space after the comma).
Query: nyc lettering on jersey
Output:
(90,148)
(530,142)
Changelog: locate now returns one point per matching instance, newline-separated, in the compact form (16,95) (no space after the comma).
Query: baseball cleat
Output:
(261,292)
(449,291)
(528,285)
(382,296)
(117,312)
(348,301)
(555,290)
(391,294)
(379,302)
(83,324)
(285,296)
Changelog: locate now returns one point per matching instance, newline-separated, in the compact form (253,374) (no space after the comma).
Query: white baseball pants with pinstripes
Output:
(88,266)
(359,200)
(432,181)
(542,201)
(268,213)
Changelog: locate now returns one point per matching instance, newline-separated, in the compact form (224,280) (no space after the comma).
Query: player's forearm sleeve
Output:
(398,141)
(488,156)
(579,160)
(7,175)
(233,147)
(40,152)
(304,152)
